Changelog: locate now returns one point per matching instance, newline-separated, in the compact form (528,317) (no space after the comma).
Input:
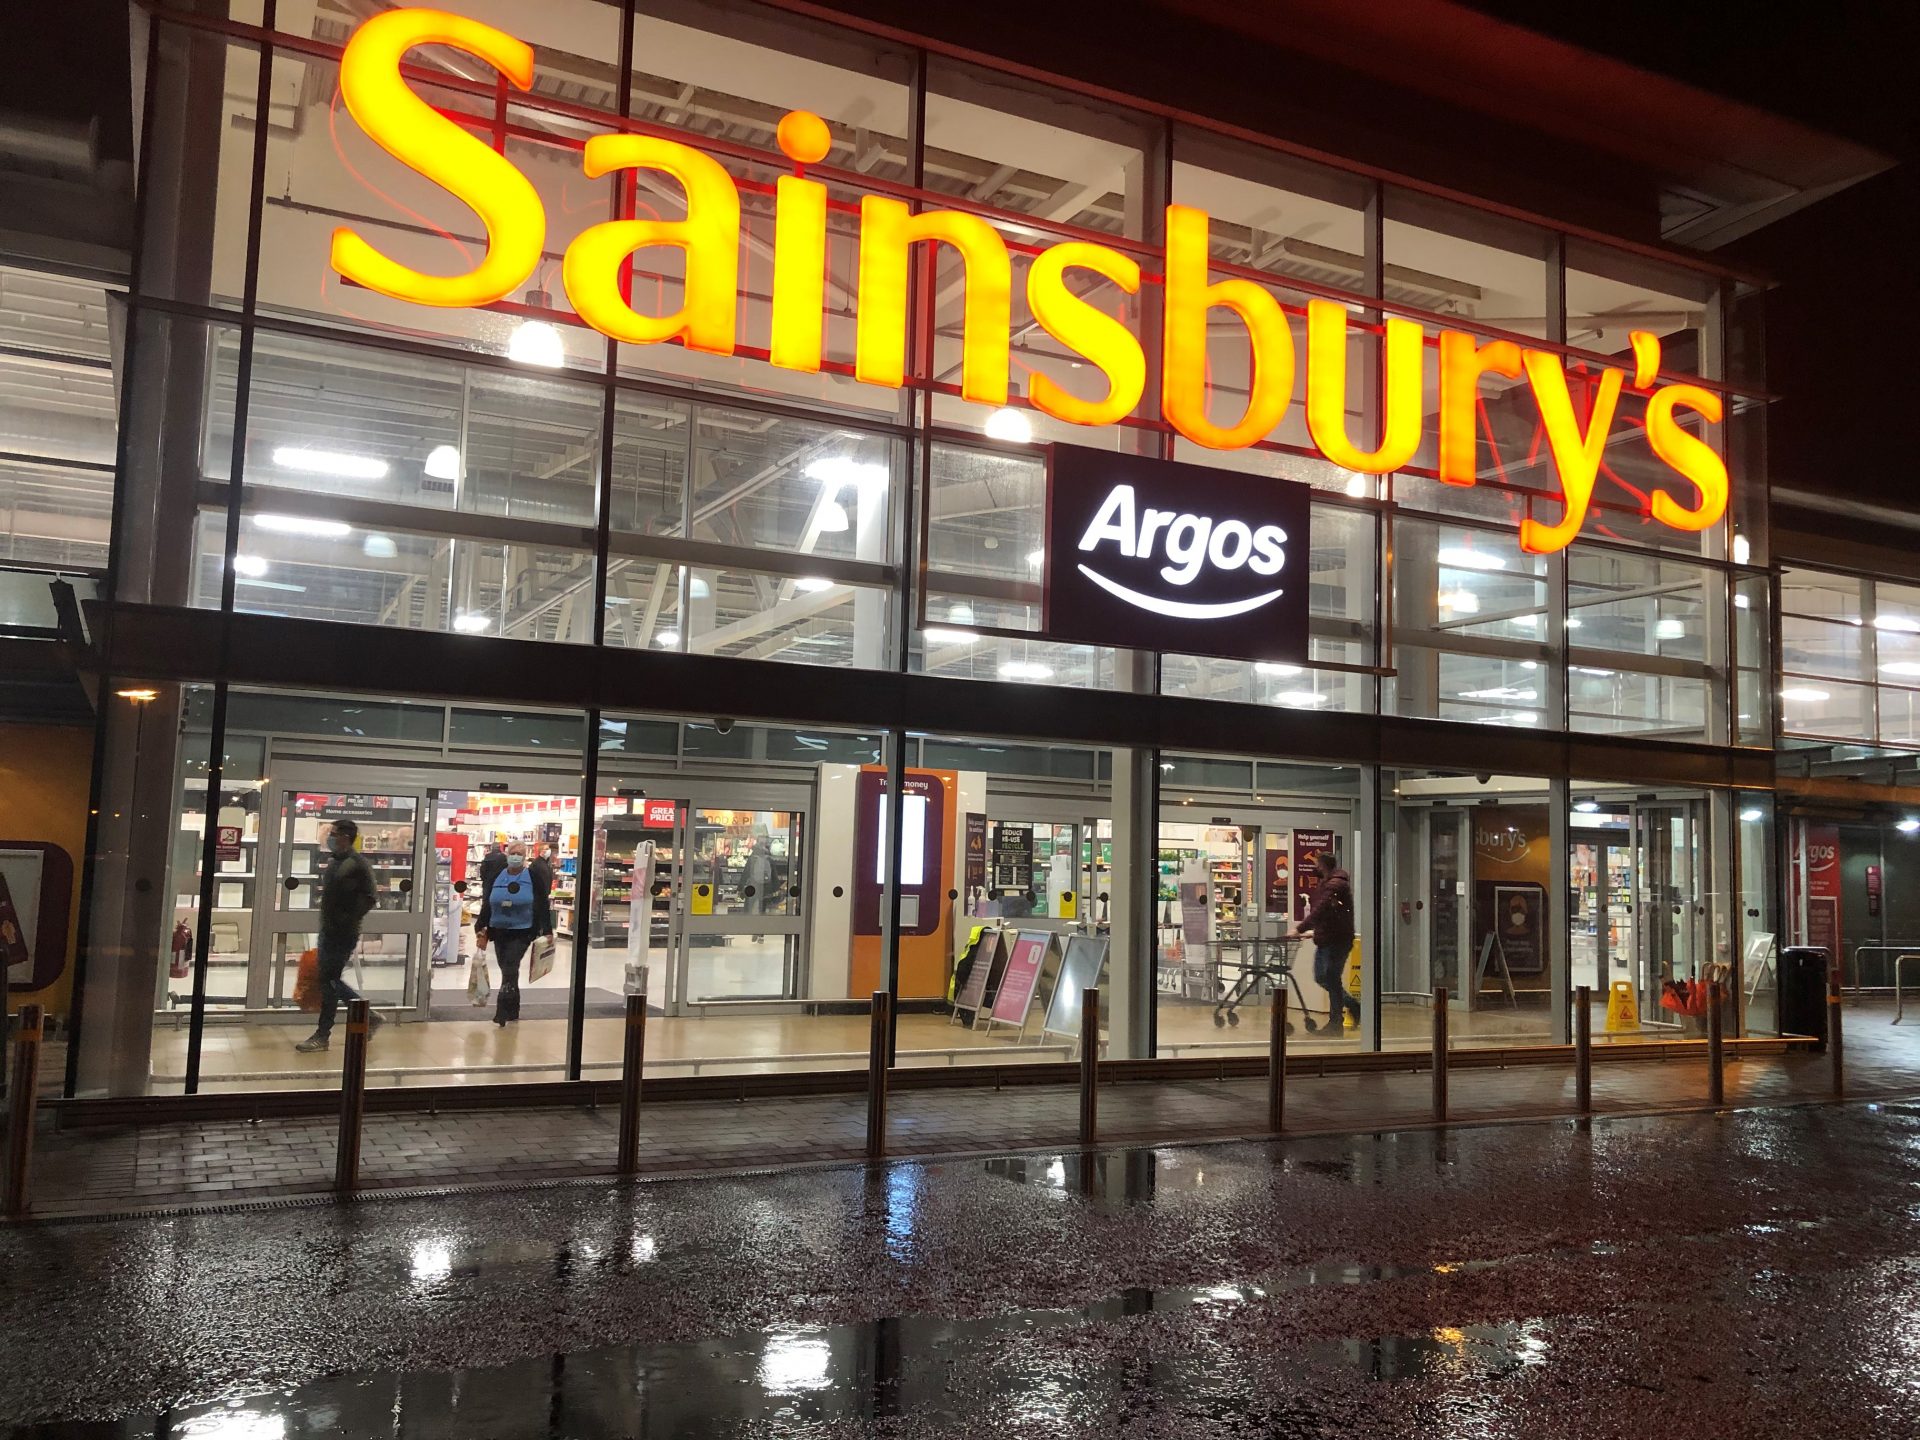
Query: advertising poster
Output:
(1873,889)
(989,958)
(1082,965)
(1022,977)
(1816,875)
(976,851)
(1013,857)
(1511,853)
(226,844)
(1278,874)
(1519,920)
(1308,847)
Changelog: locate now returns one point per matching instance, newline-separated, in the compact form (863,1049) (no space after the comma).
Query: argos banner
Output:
(1161,555)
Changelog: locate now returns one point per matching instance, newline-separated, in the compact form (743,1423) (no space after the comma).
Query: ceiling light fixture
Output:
(535,342)
(252,566)
(443,463)
(468,623)
(812,584)
(667,639)
(333,463)
(936,635)
(833,517)
(1010,425)
(1025,670)
(833,471)
(1804,694)
(302,525)
(1465,557)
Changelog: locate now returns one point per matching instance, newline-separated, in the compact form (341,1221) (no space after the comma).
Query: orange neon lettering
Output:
(709,238)
(421,138)
(1688,454)
(887,229)
(1087,330)
(1575,455)
(1189,298)
(1327,390)
(800,247)
(1463,360)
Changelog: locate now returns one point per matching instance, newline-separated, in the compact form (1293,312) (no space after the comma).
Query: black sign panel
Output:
(1162,555)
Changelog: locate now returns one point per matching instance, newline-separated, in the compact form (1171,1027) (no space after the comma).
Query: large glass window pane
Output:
(1471,626)
(1646,645)
(1471,907)
(1235,873)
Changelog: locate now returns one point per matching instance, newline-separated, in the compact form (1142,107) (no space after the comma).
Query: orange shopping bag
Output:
(306,981)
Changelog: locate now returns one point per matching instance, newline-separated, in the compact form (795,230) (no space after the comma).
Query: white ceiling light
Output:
(1010,425)
(1905,669)
(1587,807)
(935,635)
(1752,816)
(1741,602)
(1300,699)
(535,342)
(1804,694)
(833,471)
(335,463)
(667,639)
(1268,667)
(1464,557)
(812,584)
(960,614)
(1670,630)
(443,462)
(379,547)
(1461,602)
(1025,670)
(254,567)
(698,588)
(1741,549)
(1359,485)
(833,517)
(1897,623)
(468,623)
(302,525)
(1908,826)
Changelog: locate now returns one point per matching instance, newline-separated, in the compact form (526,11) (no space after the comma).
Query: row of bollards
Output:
(353,1083)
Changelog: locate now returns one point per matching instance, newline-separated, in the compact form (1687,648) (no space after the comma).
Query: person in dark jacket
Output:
(1330,922)
(347,893)
(515,909)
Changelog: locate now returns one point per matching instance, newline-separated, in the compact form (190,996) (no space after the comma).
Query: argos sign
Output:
(1574,428)
(1161,555)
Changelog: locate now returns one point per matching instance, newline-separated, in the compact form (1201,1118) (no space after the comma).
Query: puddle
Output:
(931,1368)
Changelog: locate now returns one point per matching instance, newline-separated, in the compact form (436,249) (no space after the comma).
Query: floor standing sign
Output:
(1025,960)
(1082,965)
(977,991)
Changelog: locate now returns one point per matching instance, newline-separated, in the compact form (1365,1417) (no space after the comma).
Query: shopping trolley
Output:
(1274,965)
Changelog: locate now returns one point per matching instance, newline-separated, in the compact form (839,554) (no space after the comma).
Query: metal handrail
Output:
(1899,990)
(1896,951)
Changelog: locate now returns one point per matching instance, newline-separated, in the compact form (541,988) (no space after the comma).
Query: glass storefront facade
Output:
(684,622)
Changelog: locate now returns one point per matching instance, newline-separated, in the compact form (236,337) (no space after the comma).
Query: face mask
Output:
(516,862)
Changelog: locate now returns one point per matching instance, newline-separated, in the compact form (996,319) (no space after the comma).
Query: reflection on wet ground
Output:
(1670,1276)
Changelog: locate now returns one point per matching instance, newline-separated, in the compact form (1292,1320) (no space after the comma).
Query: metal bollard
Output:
(1277,1065)
(1583,1049)
(1089,1067)
(1834,1048)
(1716,1049)
(26,1083)
(353,1099)
(1440,1053)
(633,1060)
(877,1075)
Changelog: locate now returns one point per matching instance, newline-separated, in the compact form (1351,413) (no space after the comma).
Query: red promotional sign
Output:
(1873,889)
(1308,846)
(658,814)
(1817,858)
(1022,978)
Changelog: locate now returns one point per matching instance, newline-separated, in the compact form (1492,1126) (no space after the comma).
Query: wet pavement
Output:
(1752,1273)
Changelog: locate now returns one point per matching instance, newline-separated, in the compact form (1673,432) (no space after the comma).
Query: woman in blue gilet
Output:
(509,919)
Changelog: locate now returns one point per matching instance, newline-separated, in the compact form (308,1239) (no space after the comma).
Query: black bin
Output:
(1803,992)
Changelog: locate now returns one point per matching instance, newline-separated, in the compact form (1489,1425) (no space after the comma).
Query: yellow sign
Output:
(443,150)
(1623,1011)
(703,900)
(1069,904)
(1351,981)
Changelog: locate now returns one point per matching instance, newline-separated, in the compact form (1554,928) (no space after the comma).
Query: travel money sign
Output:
(438,148)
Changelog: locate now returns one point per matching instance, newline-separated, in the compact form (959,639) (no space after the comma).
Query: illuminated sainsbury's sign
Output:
(407,127)
(1159,555)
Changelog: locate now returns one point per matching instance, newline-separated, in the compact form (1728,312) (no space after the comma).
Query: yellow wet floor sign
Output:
(1623,1011)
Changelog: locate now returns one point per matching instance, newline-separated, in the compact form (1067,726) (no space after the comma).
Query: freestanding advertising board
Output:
(1082,965)
(1025,961)
(989,962)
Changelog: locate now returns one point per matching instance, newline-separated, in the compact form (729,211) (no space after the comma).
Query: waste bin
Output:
(1803,992)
